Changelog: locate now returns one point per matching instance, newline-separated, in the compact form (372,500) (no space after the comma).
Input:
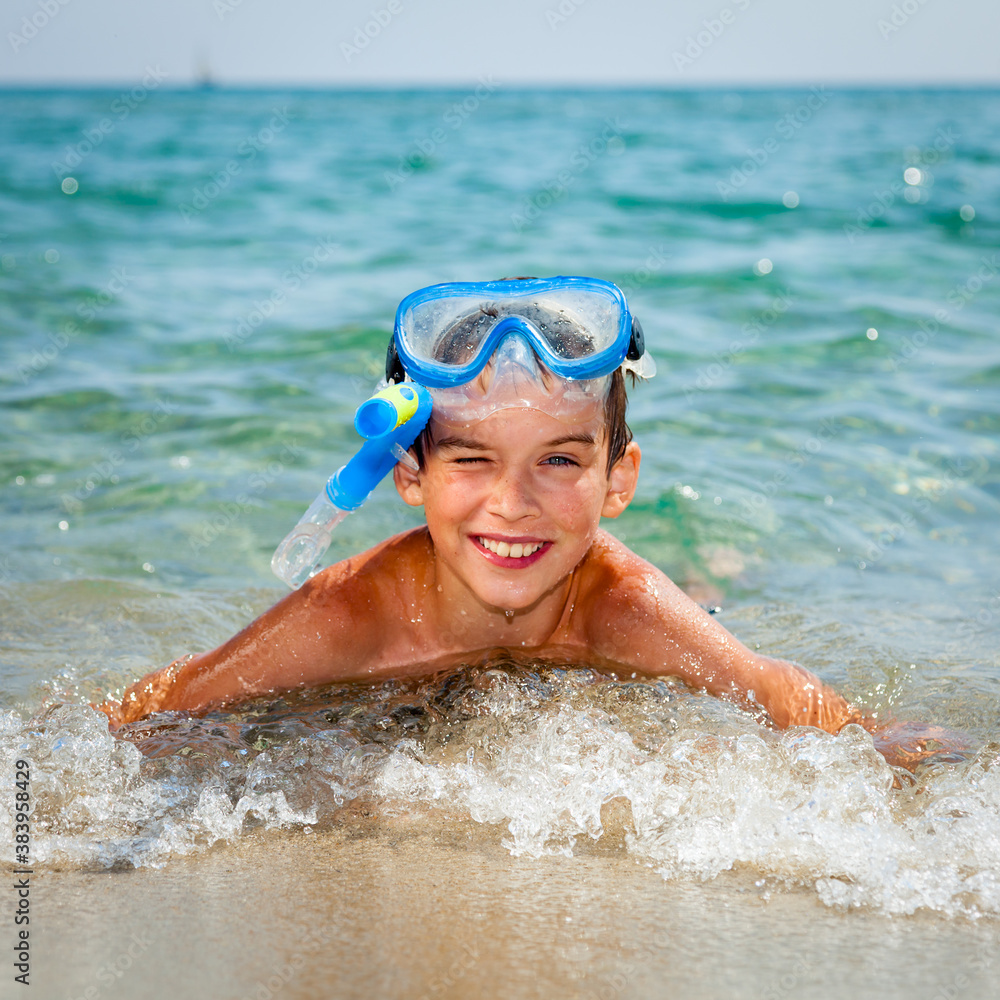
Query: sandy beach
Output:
(398,907)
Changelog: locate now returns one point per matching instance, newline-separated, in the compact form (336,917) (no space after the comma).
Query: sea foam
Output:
(697,788)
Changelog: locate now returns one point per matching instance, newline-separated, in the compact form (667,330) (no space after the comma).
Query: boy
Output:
(526,449)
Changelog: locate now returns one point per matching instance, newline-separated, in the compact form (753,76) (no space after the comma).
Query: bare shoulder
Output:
(631,611)
(348,606)
(615,581)
(379,571)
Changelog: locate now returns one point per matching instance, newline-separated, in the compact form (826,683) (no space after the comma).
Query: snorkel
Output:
(389,422)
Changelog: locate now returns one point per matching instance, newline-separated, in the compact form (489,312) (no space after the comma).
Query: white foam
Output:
(707,789)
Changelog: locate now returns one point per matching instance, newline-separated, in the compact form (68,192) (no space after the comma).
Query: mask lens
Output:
(566,323)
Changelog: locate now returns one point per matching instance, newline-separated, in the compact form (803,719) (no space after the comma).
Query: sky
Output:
(602,42)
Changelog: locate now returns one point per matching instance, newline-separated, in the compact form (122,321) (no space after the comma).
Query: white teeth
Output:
(505,550)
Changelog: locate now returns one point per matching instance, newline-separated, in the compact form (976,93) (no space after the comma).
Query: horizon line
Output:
(210,85)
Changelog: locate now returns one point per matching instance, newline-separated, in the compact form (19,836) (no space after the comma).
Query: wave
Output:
(546,757)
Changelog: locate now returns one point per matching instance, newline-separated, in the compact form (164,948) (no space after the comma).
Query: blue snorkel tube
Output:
(390,422)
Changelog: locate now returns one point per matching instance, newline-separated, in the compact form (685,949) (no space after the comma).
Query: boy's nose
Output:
(511,496)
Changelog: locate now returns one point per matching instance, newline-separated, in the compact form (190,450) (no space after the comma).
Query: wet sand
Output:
(408,907)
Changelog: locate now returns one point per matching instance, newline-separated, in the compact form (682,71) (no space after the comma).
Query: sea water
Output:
(196,291)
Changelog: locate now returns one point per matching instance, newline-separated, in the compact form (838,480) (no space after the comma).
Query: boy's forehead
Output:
(517,425)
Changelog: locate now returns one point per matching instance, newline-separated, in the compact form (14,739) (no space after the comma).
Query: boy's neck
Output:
(468,623)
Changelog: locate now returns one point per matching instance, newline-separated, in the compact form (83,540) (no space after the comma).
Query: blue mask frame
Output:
(628,342)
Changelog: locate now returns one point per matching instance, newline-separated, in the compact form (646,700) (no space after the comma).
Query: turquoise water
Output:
(817,276)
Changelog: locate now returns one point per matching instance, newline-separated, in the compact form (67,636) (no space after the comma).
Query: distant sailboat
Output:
(203,79)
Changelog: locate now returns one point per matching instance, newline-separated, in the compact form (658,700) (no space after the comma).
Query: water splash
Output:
(540,753)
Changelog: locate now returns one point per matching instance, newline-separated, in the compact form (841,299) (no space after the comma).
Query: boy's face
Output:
(513,501)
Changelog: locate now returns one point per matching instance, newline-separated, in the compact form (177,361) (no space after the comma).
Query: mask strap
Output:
(637,343)
(394,371)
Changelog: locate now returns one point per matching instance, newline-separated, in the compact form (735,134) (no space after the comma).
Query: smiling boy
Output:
(526,449)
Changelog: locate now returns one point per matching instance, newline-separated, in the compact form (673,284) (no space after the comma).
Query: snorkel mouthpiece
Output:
(390,422)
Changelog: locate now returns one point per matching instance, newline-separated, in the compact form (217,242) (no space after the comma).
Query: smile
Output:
(519,550)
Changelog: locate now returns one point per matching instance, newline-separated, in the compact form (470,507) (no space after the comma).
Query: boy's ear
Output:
(622,482)
(407,484)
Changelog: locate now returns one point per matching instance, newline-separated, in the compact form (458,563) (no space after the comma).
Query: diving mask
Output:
(541,343)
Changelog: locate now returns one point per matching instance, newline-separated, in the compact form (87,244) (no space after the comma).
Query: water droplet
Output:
(70,185)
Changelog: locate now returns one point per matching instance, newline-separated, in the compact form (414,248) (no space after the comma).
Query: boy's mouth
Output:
(511,554)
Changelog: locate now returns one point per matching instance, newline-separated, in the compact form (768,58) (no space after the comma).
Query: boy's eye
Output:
(560,460)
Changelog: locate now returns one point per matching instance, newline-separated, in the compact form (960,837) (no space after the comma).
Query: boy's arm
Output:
(640,617)
(312,636)
(645,620)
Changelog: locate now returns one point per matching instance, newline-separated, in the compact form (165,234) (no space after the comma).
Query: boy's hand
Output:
(908,744)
